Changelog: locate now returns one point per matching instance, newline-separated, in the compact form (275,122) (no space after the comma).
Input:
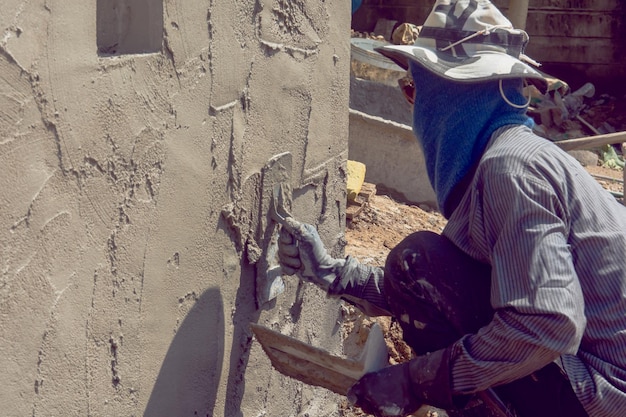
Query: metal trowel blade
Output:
(275,197)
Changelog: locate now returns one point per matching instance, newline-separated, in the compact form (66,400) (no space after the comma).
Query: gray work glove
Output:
(399,390)
(301,251)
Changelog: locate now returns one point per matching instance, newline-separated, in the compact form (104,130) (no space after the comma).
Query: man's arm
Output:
(302,252)
(362,286)
(539,308)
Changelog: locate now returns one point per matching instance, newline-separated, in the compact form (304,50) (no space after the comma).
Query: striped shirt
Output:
(556,242)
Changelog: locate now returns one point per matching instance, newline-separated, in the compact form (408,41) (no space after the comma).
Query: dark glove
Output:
(301,251)
(399,390)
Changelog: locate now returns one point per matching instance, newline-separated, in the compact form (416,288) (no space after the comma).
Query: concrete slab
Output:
(393,157)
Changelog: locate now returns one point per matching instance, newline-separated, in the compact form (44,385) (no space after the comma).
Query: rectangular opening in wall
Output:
(129,26)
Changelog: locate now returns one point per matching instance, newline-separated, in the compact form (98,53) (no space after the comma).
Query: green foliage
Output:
(610,158)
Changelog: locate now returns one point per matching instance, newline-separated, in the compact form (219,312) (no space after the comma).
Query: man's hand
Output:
(386,392)
(301,251)
(399,390)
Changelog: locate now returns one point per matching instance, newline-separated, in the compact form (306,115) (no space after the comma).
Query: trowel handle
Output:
(497,408)
(279,212)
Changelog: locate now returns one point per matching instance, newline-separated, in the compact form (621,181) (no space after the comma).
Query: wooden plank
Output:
(354,208)
(367,190)
(591,141)
(580,24)
(574,50)
(309,364)
(594,5)
(575,4)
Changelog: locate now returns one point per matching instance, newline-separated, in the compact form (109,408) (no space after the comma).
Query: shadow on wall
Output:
(245,313)
(189,377)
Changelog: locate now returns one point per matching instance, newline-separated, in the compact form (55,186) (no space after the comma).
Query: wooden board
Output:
(356,206)
(315,366)
(590,142)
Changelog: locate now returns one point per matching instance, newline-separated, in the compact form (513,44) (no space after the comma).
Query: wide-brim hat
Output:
(468,41)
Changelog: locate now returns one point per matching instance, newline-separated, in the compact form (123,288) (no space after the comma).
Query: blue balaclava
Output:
(454,121)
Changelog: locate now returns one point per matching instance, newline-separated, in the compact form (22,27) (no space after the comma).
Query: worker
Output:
(522,298)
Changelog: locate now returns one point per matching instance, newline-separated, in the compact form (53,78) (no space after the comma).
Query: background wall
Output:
(576,40)
(132,139)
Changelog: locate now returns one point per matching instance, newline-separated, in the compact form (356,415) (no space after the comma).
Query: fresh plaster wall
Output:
(131,214)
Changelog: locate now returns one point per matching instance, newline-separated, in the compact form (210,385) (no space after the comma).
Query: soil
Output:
(382,224)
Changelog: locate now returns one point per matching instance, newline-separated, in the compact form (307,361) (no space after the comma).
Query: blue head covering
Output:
(453,122)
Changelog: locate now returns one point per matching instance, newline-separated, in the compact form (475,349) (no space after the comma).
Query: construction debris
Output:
(356,177)
(356,206)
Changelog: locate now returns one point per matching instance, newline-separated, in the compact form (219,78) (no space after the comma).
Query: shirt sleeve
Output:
(520,224)
(362,286)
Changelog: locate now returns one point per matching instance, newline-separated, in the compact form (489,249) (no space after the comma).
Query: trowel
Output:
(276,198)
(315,366)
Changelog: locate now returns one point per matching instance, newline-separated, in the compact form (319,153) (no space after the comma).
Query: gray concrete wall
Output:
(132,215)
(392,156)
(379,99)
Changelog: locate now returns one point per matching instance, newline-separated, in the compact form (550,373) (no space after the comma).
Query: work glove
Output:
(399,390)
(301,251)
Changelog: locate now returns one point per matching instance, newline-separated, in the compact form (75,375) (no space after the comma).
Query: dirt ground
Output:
(381,225)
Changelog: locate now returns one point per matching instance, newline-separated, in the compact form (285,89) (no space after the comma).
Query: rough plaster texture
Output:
(131,216)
